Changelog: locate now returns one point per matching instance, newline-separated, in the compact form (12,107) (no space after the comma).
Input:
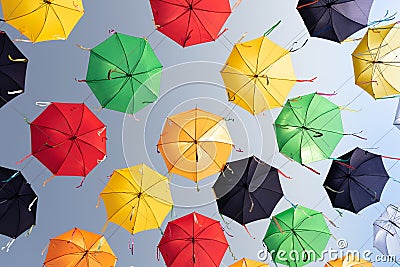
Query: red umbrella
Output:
(190,22)
(193,241)
(68,139)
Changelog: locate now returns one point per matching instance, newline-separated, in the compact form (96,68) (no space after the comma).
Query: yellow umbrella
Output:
(258,75)
(376,61)
(349,260)
(248,263)
(43,20)
(137,198)
(195,144)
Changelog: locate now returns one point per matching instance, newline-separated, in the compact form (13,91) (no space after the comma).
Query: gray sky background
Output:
(191,78)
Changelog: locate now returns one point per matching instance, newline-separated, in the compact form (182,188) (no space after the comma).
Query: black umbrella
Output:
(334,20)
(248,190)
(12,70)
(356,180)
(18,203)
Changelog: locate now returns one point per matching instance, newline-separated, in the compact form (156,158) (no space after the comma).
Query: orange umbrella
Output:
(79,248)
(349,260)
(248,263)
(195,144)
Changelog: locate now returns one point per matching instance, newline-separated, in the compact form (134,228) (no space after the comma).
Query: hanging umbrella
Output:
(68,139)
(308,128)
(349,260)
(356,180)
(18,203)
(190,22)
(297,236)
(43,20)
(258,75)
(124,73)
(79,248)
(334,20)
(248,263)
(387,230)
(195,144)
(193,241)
(12,70)
(137,198)
(376,62)
(248,190)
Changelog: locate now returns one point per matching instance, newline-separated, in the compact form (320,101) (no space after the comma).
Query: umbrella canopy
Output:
(258,75)
(248,190)
(376,62)
(387,230)
(18,203)
(195,144)
(124,73)
(193,241)
(334,20)
(349,260)
(68,139)
(12,70)
(137,198)
(248,263)
(297,235)
(308,128)
(358,183)
(43,20)
(190,22)
(79,248)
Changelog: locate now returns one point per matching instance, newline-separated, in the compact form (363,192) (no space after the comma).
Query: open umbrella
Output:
(68,139)
(193,241)
(387,230)
(334,20)
(124,73)
(12,70)
(297,236)
(43,20)
(349,260)
(18,203)
(137,198)
(79,248)
(397,117)
(376,61)
(248,190)
(248,263)
(195,144)
(190,22)
(258,75)
(308,128)
(356,180)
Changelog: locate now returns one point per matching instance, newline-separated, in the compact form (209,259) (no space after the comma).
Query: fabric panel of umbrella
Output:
(387,230)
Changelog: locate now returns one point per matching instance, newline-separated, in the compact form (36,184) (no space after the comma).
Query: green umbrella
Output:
(297,236)
(124,73)
(308,128)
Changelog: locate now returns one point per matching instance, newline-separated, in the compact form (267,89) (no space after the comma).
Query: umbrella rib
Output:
(201,23)
(212,11)
(272,94)
(273,62)
(383,76)
(65,7)
(243,59)
(175,19)
(177,255)
(126,56)
(182,128)
(59,20)
(65,118)
(268,189)
(116,93)
(210,158)
(92,51)
(123,206)
(83,158)
(323,114)
(44,23)
(5,74)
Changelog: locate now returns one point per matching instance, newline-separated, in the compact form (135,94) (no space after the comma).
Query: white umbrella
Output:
(397,117)
(387,230)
